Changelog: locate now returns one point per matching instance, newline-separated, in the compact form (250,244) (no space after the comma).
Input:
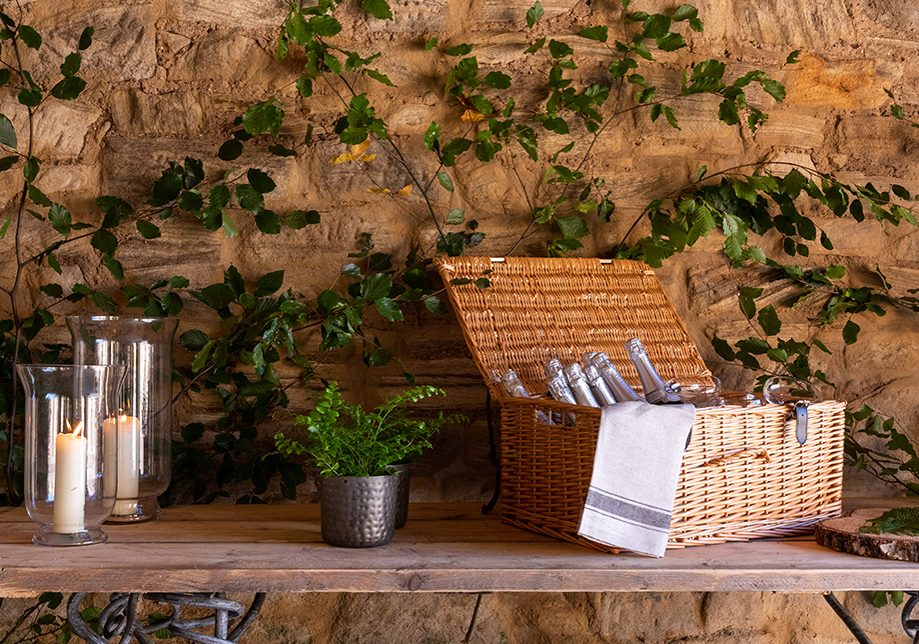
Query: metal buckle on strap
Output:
(800,415)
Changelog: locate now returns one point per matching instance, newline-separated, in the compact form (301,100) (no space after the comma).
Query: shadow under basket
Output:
(744,475)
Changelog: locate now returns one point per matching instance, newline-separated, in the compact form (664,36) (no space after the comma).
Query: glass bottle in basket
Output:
(655,389)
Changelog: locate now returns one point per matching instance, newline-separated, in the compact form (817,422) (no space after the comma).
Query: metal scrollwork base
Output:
(911,626)
(119,619)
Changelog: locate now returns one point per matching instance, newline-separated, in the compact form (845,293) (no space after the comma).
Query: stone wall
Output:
(167,78)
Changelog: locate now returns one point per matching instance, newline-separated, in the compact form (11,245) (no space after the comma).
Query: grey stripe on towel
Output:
(621,508)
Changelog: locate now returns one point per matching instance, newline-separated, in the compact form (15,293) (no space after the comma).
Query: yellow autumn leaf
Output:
(367,157)
(358,150)
(343,158)
(407,190)
(472,116)
(379,191)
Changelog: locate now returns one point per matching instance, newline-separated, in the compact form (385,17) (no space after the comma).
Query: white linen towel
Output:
(636,467)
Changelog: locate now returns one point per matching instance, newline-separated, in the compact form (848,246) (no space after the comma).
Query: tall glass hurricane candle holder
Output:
(67,466)
(143,346)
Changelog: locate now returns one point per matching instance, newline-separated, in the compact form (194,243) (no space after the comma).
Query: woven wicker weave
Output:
(744,474)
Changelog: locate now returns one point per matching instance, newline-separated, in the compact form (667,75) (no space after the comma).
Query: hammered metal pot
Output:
(358,511)
(402,491)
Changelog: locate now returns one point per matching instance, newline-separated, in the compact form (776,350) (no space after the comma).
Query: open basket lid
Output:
(541,308)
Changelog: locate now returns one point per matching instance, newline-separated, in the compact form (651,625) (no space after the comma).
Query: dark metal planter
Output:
(402,491)
(358,512)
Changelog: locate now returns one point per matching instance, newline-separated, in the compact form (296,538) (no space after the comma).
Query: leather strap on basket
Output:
(761,453)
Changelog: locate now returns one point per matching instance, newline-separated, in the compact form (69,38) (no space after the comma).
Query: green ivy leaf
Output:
(260,181)
(497,80)
(456,217)
(229,226)
(747,299)
(268,222)
(559,49)
(7,133)
(60,219)
(103,300)
(297,219)
(685,12)
(389,309)
(723,349)
(325,26)
(536,46)
(264,117)
(104,241)
(148,230)
(432,136)
(670,42)
(29,36)
(445,181)
(8,162)
(219,196)
(230,150)
(534,13)
(850,332)
(376,286)
(573,227)
(458,50)
(71,64)
(281,151)
(68,88)
(86,38)
(29,97)
(269,283)
(769,320)
(378,9)
(600,32)
(249,198)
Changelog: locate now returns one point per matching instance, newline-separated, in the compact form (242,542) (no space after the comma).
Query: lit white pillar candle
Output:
(127,431)
(69,480)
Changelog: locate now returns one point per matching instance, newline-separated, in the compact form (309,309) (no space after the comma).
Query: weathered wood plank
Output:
(443,548)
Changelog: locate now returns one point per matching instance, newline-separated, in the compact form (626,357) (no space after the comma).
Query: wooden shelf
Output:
(443,548)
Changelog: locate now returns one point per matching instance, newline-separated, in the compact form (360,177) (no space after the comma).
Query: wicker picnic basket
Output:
(743,476)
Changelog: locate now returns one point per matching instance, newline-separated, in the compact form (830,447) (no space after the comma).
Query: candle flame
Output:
(76,431)
(124,418)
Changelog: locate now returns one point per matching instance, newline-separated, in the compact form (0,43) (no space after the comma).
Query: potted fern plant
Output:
(353,450)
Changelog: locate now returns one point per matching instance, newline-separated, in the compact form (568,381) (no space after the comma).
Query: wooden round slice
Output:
(843,534)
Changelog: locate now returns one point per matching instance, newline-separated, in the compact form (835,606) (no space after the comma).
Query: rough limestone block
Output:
(176,113)
(233,13)
(124,42)
(785,125)
(893,18)
(514,11)
(67,178)
(413,16)
(60,127)
(793,24)
(847,84)
(223,55)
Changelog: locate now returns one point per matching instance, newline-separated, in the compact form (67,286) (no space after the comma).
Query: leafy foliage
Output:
(346,440)
(904,521)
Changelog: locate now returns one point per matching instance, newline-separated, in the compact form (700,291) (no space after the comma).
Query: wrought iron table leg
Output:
(846,618)
(119,619)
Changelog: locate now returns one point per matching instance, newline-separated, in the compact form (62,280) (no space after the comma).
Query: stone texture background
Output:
(166,78)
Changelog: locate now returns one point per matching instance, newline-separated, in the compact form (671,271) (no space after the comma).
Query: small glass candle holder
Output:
(66,465)
(143,346)
(700,390)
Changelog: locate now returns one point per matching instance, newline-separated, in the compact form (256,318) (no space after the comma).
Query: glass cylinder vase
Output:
(68,467)
(143,346)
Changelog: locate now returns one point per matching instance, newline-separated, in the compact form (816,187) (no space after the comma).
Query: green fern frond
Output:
(902,521)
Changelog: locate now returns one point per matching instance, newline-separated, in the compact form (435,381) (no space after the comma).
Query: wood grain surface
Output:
(443,548)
